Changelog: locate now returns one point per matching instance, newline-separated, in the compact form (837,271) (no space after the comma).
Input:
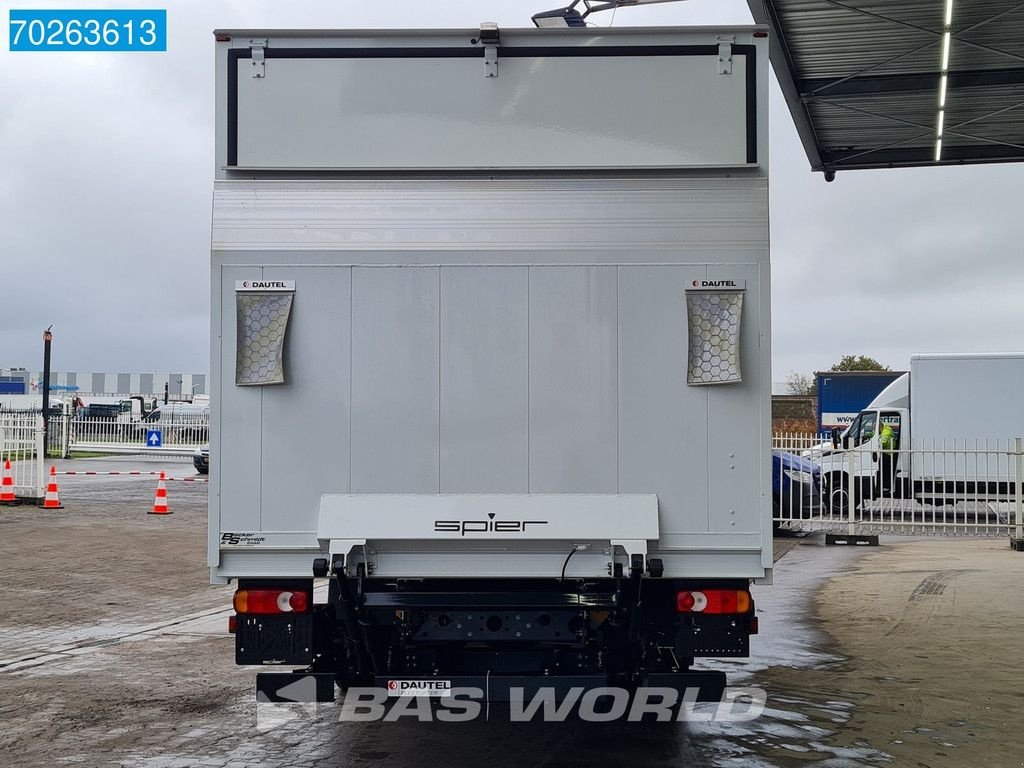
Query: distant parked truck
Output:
(844,394)
(129,410)
(953,420)
(25,403)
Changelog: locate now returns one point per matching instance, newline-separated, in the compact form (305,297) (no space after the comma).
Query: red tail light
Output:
(270,601)
(713,601)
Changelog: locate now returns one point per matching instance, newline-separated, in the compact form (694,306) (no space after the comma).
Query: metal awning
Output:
(900,83)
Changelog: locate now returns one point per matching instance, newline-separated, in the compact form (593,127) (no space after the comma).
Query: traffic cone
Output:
(52,500)
(160,502)
(7,489)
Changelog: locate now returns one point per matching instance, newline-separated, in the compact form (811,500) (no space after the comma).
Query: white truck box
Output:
(966,397)
(476,261)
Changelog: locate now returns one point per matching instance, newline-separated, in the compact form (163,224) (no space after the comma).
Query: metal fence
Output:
(798,442)
(21,443)
(973,487)
(175,437)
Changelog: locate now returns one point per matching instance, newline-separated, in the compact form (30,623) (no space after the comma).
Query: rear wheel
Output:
(838,493)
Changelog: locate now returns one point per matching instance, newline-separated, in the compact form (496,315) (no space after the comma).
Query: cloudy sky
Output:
(106,164)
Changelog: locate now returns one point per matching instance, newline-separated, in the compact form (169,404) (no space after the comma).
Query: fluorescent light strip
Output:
(947,42)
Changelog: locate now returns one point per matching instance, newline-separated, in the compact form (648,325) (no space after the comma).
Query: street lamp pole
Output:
(47,339)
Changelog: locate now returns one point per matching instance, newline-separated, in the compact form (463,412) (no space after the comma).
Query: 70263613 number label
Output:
(85,30)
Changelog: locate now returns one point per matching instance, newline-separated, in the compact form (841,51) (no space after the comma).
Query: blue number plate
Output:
(101,30)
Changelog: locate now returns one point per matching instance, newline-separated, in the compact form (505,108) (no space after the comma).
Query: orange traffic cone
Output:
(160,502)
(7,489)
(52,500)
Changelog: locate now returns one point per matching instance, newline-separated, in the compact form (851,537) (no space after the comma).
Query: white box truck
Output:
(954,419)
(490,322)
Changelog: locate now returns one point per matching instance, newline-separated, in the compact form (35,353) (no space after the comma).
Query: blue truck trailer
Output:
(844,394)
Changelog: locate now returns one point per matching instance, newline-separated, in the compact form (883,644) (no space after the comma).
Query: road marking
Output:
(94,474)
(37,658)
(148,632)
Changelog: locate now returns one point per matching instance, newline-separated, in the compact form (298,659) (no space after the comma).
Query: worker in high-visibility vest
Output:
(887,465)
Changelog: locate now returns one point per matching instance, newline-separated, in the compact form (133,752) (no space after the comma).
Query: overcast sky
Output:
(106,165)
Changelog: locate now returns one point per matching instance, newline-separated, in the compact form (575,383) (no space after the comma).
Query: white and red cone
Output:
(52,500)
(160,502)
(7,488)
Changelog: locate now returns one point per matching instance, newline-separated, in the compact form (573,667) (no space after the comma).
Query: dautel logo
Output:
(263,284)
(464,527)
(714,284)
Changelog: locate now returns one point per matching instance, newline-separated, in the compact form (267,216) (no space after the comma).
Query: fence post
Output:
(65,435)
(40,455)
(851,496)
(1018,487)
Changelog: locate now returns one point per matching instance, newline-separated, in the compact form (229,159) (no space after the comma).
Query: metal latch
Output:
(725,54)
(257,46)
(489,37)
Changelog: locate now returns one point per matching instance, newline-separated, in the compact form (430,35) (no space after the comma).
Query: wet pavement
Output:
(113,651)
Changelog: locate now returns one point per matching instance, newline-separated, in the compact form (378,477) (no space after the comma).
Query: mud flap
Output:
(283,639)
(295,687)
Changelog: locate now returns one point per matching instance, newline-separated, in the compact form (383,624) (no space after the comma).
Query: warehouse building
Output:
(83,383)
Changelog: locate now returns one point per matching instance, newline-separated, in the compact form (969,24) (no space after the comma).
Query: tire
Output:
(838,493)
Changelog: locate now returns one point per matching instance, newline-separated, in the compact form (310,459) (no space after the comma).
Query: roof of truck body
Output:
(533,32)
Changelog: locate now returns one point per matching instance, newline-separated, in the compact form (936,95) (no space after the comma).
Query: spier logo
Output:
(714,284)
(464,527)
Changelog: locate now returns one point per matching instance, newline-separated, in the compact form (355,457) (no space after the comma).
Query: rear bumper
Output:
(693,686)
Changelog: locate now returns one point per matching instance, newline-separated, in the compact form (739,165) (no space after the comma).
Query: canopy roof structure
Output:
(900,83)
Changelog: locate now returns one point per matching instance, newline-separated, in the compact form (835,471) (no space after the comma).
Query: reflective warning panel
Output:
(263,313)
(714,309)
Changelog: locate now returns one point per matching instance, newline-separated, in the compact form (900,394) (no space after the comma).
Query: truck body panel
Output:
(394,93)
(507,374)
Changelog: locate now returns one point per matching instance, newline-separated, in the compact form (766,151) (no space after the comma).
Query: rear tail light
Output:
(713,601)
(270,601)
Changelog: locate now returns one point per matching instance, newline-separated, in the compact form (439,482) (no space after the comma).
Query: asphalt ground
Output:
(114,652)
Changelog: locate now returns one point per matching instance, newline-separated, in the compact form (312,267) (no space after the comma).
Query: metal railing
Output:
(958,487)
(798,442)
(179,436)
(21,443)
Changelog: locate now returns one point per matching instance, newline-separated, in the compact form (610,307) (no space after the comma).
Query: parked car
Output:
(201,459)
(796,486)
